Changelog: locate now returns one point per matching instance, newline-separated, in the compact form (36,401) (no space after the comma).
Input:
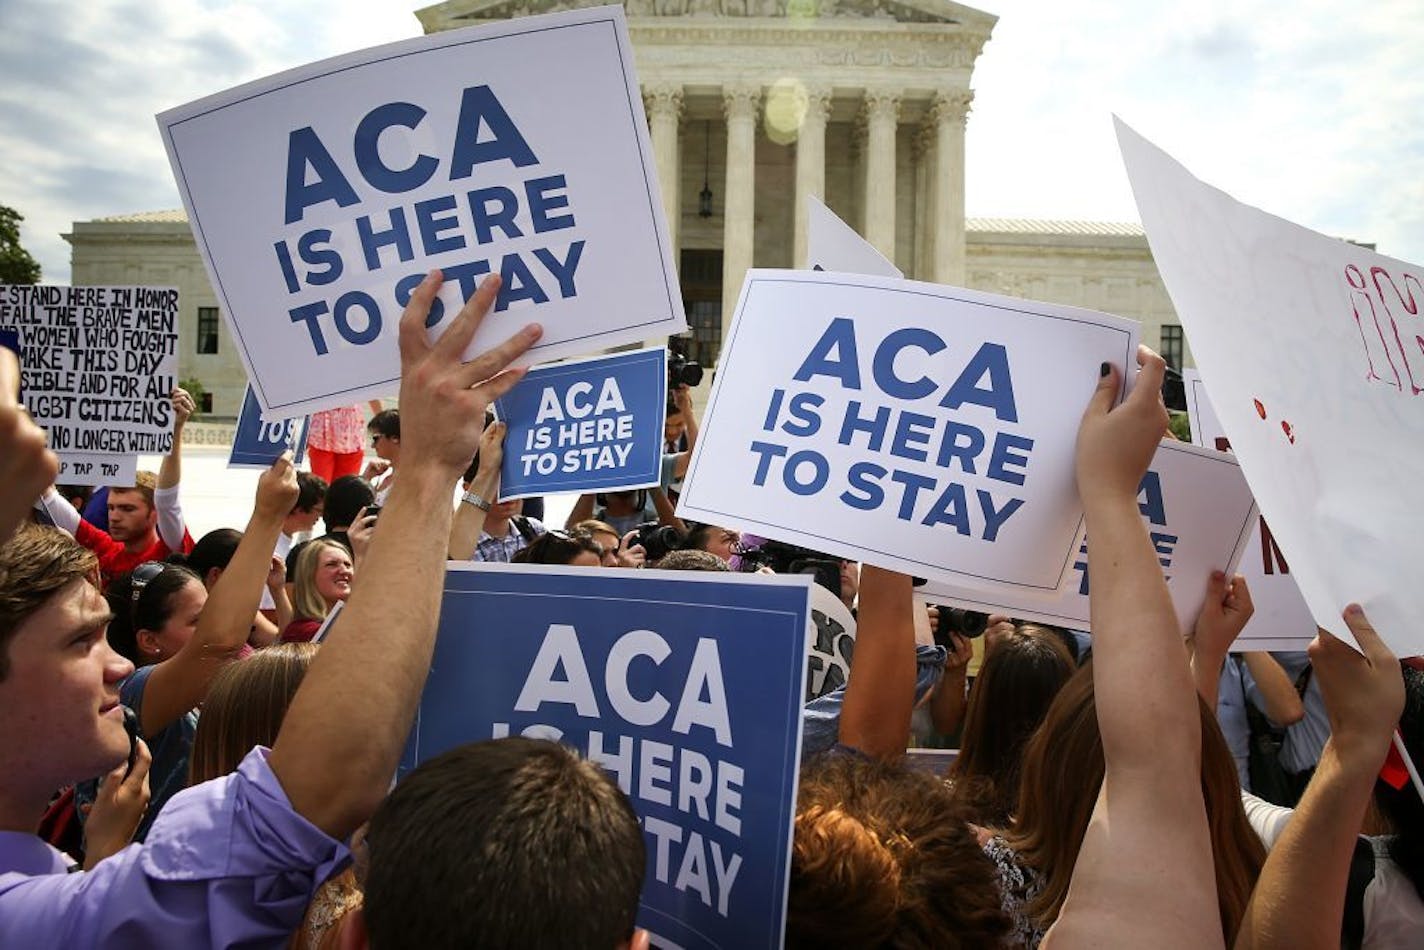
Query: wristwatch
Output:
(471,498)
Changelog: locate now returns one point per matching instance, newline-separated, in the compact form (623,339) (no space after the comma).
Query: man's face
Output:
(306,520)
(673,427)
(504,510)
(59,705)
(131,517)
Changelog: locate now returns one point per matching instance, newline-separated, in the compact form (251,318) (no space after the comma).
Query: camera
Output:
(967,623)
(785,558)
(658,539)
(683,371)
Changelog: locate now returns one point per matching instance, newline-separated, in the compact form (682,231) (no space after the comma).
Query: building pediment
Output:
(456,13)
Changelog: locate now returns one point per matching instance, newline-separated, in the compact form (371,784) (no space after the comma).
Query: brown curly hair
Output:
(883,857)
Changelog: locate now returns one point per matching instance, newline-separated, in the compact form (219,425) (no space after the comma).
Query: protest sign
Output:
(1313,351)
(831,244)
(831,643)
(585,426)
(1199,514)
(685,687)
(925,429)
(96,368)
(86,468)
(320,198)
(257,443)
(1282,621)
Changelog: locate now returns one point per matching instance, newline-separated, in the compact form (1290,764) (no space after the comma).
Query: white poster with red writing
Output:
(1313,350)
(1282,621)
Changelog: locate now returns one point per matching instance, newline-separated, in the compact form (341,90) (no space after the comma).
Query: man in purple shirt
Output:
(236,860)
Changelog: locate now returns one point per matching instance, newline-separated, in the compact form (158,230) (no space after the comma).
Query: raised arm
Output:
(1224,614)
(170,474)
(181,682)
(1145,872)
(27,467)
(583,510)
(469,520)
(682,398)
(1279,699)
(343,735)
(1299,900)
(880,694)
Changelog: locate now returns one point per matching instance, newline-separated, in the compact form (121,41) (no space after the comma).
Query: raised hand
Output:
(27,467)
(1115,445)
(1363,692)
(443,400)
(277,489)
(1226,609)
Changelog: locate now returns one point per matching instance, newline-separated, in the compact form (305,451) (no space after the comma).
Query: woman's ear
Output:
(147,641)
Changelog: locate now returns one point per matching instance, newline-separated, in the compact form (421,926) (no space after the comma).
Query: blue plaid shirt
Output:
(502,549)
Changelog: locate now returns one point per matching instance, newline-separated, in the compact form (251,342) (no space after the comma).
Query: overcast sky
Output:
(1310,112)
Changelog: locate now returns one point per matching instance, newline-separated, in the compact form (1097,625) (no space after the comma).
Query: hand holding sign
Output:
(442,400)
(276,489)
(1115,445)
(27,467)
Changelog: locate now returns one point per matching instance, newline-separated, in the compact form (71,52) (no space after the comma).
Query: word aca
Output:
(929,435)
(693,832)
(500,198)
(578,431)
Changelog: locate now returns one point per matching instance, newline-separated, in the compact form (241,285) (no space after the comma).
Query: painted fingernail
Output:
(1354,610)
(1104,370)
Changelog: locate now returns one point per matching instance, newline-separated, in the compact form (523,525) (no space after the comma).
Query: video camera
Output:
(682,371)
(785,558)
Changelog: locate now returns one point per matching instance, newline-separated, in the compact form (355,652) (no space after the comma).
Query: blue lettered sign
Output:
(585,426)
(340,185)
(1198,512)
(686,687)
(256,444)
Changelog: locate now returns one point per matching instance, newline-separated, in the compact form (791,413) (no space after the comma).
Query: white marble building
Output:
(752,106)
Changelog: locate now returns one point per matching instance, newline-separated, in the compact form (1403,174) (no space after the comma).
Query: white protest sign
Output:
(1313,351)
(1282,621)
(1199,513)
(97,365)
(921,428)
(321,197)
(830,643)
(86,468)
(831,244)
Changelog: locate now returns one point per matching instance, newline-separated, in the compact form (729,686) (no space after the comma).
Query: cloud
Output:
(1301,114)
(81,83)
(1305,114)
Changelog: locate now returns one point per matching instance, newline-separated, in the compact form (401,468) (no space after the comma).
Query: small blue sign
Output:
(685,687)
(585,426)
(256,444)
(10,340)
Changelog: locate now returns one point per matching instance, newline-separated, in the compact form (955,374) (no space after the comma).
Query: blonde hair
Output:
(306,602)
(245,706)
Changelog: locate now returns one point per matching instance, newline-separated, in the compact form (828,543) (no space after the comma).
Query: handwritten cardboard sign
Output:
(320,198)
(1282,620)
(97,369)
(1313,351)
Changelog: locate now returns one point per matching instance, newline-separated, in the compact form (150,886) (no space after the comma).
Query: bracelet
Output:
(471,498)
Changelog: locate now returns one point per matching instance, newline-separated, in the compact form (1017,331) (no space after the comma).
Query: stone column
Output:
(947,116)
(741,104)
(810,164)
(663,102)
(882,110)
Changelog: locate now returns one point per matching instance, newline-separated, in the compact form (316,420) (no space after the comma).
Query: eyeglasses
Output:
(143,575)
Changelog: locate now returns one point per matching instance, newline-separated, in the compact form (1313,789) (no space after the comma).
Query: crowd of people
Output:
(197,754)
